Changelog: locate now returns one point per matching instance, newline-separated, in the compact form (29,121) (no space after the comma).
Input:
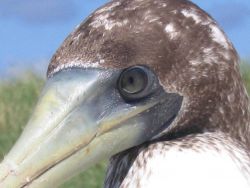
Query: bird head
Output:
(132,72)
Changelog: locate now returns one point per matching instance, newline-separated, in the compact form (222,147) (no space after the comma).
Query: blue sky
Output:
(32,30)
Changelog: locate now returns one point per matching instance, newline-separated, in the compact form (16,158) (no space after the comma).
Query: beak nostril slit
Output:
(5,170)
(12,167)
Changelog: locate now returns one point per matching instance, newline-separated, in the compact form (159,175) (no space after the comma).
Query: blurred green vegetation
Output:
(245,71)
(17,99)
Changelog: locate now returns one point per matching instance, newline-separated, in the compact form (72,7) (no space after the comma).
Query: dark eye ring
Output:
(134,83)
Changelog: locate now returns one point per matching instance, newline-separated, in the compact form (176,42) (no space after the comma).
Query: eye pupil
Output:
(131,80)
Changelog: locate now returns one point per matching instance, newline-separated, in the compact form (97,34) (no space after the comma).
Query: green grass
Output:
(245,71)
(17,99)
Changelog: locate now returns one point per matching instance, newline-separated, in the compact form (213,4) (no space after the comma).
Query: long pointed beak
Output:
(79,120)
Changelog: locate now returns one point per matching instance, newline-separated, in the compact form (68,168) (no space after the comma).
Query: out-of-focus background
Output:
(32,30)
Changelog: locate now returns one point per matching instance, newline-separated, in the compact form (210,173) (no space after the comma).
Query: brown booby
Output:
(154,85)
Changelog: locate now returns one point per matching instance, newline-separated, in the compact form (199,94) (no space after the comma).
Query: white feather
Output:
(177,167)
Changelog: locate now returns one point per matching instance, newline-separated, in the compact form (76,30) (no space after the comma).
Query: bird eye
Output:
(134,83)
(133,80)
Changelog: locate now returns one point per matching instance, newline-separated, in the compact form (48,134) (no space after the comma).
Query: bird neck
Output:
(132,166)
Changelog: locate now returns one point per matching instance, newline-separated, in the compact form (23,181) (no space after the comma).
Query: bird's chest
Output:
(176,167)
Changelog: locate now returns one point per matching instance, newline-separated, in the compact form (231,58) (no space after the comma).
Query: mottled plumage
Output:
(191,56)
(210,158)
